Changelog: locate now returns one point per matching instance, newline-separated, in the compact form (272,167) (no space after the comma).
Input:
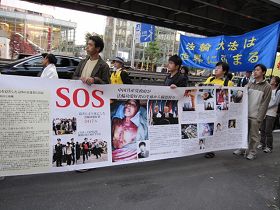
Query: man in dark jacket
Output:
(93,69)
(244,80)
(58,153)
(175,78)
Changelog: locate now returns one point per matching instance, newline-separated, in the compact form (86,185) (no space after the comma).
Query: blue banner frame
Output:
(242,52)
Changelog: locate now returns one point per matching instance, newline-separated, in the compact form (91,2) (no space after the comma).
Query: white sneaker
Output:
(267,150)
(251,156)
(239,152)
(260,146)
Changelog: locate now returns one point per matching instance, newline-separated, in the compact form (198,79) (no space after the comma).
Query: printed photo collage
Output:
(130,122)
(214,103)
(68,149)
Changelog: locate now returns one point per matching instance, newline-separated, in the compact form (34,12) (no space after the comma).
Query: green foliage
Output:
(152,51)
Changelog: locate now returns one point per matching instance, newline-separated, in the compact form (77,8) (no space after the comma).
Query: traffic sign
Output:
(144,33)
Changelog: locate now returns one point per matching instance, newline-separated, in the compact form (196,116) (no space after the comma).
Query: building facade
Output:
(118,40)
(29,32)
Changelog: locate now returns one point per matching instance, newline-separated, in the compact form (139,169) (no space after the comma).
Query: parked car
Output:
(32,65)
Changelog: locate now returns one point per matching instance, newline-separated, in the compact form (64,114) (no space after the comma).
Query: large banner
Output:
(61,125)
(242,52)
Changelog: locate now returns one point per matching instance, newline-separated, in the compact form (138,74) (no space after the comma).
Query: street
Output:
(225,182)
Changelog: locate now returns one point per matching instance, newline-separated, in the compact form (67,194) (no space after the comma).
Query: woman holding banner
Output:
(220,78)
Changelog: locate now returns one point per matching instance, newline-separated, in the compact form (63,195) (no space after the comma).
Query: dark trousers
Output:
(58,161)
(68,158)
(85,155)
(266,131)
(73,157)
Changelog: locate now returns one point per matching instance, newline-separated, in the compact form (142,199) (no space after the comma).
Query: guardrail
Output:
(155,78)
(143,77)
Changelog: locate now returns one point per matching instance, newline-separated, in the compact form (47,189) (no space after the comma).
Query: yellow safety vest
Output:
(215,81)
(116,77)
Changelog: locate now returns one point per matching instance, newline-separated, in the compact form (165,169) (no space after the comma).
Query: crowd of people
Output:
(263,97)
(64,126)
(73,152)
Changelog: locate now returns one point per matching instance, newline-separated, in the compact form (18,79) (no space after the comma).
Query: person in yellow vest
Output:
(119,75)
(221,79)
(221,76)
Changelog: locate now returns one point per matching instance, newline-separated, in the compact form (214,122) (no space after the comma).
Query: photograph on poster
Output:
(188,101)
(205,95)
(221,96)
(68,152)
(232,123)
(205,129)
(223,106)
(208,105)
(129,124)
(63,126)
(163,112)
(218,127)
(189,131)
(236,96)
(201,143)
(143,151)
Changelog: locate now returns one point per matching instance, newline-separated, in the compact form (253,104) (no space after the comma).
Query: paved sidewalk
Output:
(223,183)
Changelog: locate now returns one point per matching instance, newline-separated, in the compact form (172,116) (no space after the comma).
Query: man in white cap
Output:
(120,75)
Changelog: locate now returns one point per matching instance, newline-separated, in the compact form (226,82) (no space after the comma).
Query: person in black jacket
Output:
(58,153)
(73,150)
(185,72)
(78,151)
(175,78)
(244,81)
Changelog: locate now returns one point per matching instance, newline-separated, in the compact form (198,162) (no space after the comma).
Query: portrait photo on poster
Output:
(143,149)
(201,143)
(208,105)
(218,127)
(163,112)
(129,125)
(205,129)
(189,100)
(221,96)
(222,99)
(232,123)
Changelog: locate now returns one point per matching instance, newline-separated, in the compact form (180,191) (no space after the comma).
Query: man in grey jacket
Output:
(259,94)
(93,69)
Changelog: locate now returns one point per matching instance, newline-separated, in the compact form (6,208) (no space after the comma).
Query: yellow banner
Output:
(276,68)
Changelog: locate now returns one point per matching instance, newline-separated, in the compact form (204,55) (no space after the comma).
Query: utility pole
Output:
(133,49)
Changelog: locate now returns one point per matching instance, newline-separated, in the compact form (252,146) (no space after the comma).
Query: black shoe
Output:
(210,155)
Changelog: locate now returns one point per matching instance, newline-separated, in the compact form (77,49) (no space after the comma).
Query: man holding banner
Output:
(93,69)
(175,79)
